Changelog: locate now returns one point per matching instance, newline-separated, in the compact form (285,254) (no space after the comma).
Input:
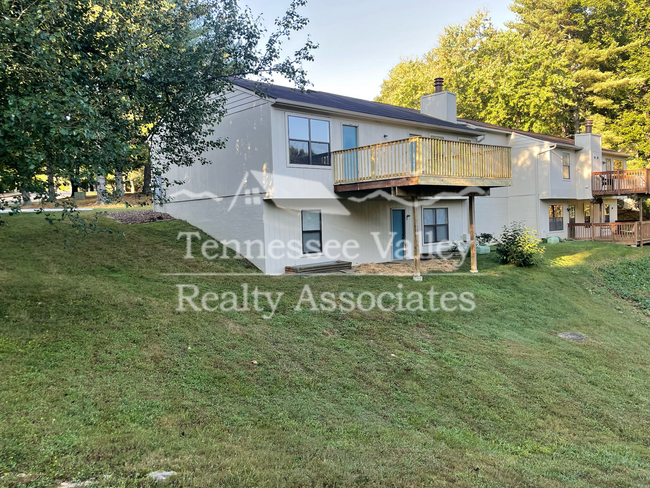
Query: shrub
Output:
(519,245)
(484,239)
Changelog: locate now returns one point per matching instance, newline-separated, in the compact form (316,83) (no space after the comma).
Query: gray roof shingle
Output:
(341,102)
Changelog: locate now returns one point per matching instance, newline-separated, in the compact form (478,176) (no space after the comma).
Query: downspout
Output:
(551,148)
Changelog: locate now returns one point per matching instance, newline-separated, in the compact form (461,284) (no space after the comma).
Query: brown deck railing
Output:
(620,182)
(629,233)
(421,156)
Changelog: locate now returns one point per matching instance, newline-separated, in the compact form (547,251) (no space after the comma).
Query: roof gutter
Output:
(502,131)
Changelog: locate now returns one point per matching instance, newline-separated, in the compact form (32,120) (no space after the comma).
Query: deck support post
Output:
(416,242)
(640,221)
(592,219)
(472,240)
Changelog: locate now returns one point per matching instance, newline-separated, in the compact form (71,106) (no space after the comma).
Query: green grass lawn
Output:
(102,378)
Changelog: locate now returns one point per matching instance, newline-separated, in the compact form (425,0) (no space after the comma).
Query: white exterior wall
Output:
(589,160)
(284,224)
(247,128)
(519,202)
(239,223)
(213,197)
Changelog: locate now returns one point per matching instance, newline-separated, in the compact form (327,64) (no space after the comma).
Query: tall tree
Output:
(607,43)
(91,84)
(501,77)
(558,63)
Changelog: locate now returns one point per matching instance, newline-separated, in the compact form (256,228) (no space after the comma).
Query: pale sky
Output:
(360,40)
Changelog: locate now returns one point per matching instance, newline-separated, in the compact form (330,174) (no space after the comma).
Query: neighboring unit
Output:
(560,186)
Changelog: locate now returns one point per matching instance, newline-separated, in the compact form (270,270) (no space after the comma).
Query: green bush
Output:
(519,245)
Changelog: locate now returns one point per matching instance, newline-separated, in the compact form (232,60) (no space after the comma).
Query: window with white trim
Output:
(436,225)
(309,141)
(312,231)
(566,165)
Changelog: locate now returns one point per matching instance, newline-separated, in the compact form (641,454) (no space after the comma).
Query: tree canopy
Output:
(87,85)
(558,63)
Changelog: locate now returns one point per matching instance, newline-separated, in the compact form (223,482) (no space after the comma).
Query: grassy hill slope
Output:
(100,375)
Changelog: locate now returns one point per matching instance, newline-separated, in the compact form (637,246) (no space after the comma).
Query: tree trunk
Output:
(101,189)
(51,192)
(24,194)
(119,184)
(146,185)
(74,182)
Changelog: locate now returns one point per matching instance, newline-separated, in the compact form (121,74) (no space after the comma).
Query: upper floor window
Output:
(309,141)
(555,221)
(436,225)
(566,165)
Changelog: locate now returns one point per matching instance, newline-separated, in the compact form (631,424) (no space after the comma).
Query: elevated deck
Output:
(620,182)
(421,161)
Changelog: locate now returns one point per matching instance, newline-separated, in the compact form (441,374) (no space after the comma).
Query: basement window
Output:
(555,220)
(312,232)
(436,225)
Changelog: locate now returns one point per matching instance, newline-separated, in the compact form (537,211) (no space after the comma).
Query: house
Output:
(312,177)
(557,183)
(305,176)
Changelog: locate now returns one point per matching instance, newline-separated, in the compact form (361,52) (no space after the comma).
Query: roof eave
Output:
(617,153)
(281,103)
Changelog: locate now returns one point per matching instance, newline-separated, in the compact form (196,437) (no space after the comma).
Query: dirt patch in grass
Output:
(402,269)
(137,216)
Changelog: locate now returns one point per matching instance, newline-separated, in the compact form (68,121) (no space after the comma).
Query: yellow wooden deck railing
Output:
(422,156)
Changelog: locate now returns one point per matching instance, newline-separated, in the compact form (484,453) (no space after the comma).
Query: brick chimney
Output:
(441,104)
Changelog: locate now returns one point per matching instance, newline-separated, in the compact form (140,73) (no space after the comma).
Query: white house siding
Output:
(223,198)
(284,225)
(247,128)
(519,202)
(228,221)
